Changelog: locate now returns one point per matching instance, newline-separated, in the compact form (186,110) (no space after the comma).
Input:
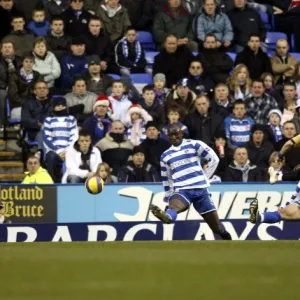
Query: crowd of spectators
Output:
(56,66)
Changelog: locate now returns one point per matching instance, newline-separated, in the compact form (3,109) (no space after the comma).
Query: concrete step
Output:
(7,154)
(18,177)
(11,164)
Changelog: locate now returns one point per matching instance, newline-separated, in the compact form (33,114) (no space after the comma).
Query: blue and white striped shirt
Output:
(181,166)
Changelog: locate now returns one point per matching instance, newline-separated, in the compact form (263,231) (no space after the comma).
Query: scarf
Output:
(277,131)
(102,122)
(138,50)
(85,157)
(111,11)
(27,77)
(238,94)
(244,169)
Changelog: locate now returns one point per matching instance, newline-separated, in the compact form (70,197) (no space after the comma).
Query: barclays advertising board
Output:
(130,203)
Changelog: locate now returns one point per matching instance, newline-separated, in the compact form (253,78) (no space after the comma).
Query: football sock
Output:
(172,213)
(270,217)
(225,234)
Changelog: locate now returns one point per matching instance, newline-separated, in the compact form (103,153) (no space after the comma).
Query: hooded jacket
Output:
(41,176)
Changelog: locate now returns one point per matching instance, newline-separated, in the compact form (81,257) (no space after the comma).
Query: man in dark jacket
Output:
(203,124)
(55,8)
(173,61)
(216,63)
(257,61)
(138,170)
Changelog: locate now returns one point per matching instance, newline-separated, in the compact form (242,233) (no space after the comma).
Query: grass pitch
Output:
(150,271)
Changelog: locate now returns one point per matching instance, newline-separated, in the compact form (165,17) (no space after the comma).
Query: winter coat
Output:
(119,107)
(39,29)
(98,87)
(187,105)
(41,176)
(156,111)
(260,156)
(4,76)
(59,46)
(292,157)
(201,84)
(53,9)
(88,100)
(49,67)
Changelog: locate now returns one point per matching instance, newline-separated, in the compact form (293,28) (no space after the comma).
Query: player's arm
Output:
(204,151)
(288,145)
(167,180)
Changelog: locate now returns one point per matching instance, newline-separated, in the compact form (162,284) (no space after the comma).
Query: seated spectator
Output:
(216,63)
(173,61)
(212,20)
(20,85)
(119,101)
(152,105)
(238,126)
(130,54)
(253,57)
(82,159)
(182,96)
(259,103)
(175,115)
(160,90)
(58,43)
(241,169)
(283,64)
(138,170)
(74,64)
(104,172)
(199,82)
(55,8)
(289,92)
(288,111)
(245,21)
(99,123)
(22,40)
(275,116)
(221,103)
(203,123)
(39,26)
(115,147)
(45,62)
(60,132)
(76,19)
(296,118)
(35,174)
(239,82)
(35,110)
(175,20)
(80,102)
(154,146)
(97,81)
(114,19)
(279,166)
(259,148)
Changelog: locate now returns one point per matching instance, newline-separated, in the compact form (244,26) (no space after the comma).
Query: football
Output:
(94,185)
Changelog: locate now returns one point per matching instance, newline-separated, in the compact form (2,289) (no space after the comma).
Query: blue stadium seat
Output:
(296,54)
(272,38)
(142,78)
(146,39)
(265,18)
(115,76)
(232,55)
(150,57)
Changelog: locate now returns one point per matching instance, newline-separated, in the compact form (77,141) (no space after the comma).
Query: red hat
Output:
(134,108)
(102,100)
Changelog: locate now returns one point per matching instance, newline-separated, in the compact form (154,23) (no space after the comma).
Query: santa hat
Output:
(102,100)
(135,108)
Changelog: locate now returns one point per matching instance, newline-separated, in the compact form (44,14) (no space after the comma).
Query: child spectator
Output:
(238,126)
(104,172)
(289,111)
(136,120)
(39,26)
(152,105)
(130,55)
(174,115)
(275,116)
(119,101)
(160,90)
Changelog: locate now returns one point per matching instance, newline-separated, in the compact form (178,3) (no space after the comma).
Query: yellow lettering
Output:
(4,194)
(40,211)
(39,193)
(9,208)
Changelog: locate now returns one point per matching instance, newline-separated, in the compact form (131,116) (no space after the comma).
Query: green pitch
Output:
(150,271)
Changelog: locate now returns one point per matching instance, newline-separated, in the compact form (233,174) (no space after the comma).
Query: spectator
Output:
(97,81)
(119,101)
(114,19)
(104,172)
(203,123)
(80,102)
(20,85)
(82,159)
(130,54)
(221,103)
(238,126)
(138,170)
(76,19)
(153,106)
(175,20)
(182,96)
(216,63)
(245,21)
(99,123)
(26,7)
(252,56)
(45,62)
(283,64)
(135,121)
(275,116)
(9,64)
(115,147)
(279,165)
(58,43)
(35,110)
(259,103)
(160,90)
(296,79)
(289,111)
(239,82)
(173,61)
(74,64)
(259,148)
(199,82)
(39,26)
(35,174)
(212,20)
(55,8)
(22,40)
(296,118)
(241,169)
(154,146)
(289,92)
